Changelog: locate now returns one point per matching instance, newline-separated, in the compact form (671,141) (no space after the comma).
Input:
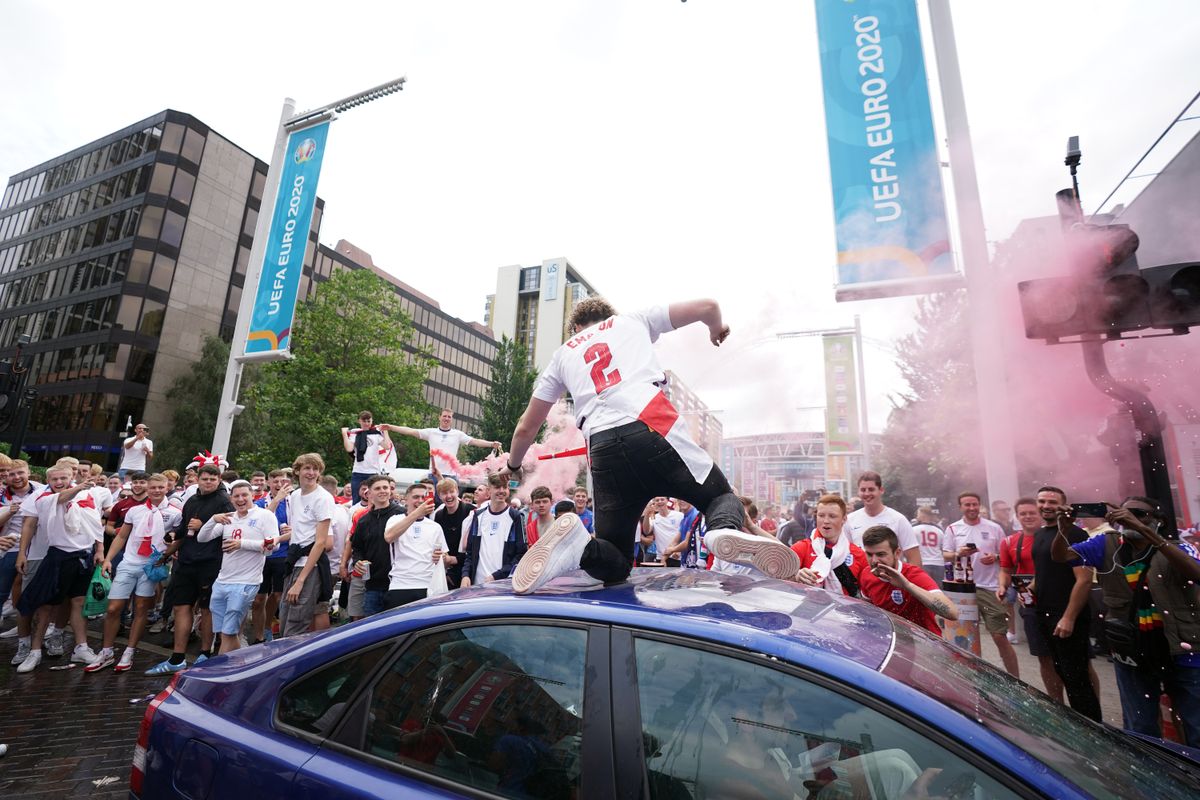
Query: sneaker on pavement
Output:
(103,660)
(52,641)
(557,552)
(82,654)
(158,626)
(22,652)
(1013,638)
(167,668)
(200,659)
(31,661)
(267,635)
(126,662)
(10,633)
(769,556)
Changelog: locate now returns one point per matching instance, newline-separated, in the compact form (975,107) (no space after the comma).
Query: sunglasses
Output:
(1141,513)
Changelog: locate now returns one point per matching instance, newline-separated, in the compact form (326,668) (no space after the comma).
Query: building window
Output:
(527,320)
(530,279)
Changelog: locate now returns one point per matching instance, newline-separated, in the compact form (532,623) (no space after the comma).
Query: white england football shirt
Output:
(412,554)
(446,442)
(609,368)
(666,530)
(931,539)
(13,527)
(986,536)
(858,522)
(245,565)
(493,533)
(305,511)
(41,542)
(147,526)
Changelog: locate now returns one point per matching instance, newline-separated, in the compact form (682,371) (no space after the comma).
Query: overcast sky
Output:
(668,150)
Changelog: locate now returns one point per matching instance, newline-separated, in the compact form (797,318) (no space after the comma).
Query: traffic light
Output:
(1174,296)
(1105,293)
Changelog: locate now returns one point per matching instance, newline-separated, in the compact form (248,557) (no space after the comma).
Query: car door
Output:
(515,708)
(717,723)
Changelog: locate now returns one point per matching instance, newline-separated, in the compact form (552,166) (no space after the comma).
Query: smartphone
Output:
(1094,510)
(971,546)
(429,498)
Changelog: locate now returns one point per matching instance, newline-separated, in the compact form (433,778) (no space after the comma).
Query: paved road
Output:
(71,734)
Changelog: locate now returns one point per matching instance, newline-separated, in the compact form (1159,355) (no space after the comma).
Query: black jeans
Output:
(1071,661)
(631,464)
(402,597)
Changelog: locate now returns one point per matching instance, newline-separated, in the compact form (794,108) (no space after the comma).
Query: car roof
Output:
(750,611)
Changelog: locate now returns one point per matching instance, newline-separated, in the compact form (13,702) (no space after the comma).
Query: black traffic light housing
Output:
(1174,296)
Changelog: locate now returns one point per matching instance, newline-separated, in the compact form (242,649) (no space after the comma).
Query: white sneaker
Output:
(126,662)
(11,633)
(103,660)
(8,610)
(769,556)
(22,651)
(82,654)
(31,661)
(52,641)
(1013,638)
(556,553)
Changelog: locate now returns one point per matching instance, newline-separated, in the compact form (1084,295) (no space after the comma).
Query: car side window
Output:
(714,726)
(496,707)
(314,703)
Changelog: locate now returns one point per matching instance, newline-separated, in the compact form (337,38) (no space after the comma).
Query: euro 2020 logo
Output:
(305,151)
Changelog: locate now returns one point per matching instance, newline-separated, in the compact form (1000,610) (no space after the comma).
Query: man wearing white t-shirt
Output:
(444,441)
(309,580)
(66,571)
(246,534)
(136,451)
(371,448)
(977,540)
(493,542)
(418,548)
(639,446)
(874,512)
(662,522)
(140,537)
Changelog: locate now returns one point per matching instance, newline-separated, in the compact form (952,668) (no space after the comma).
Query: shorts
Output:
(129,580)
(229,605)
(31,568)
(274,573)
(296,618)
(62,575)
(1038,646)
(192,583)
(992,612)
(354,604)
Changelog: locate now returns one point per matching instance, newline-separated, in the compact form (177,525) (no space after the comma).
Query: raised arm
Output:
(706,311)
(526,431)
(347,442)
(401,429)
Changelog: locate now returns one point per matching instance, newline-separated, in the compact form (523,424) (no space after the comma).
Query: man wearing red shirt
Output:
(828,558)
(1016,559)
(901,588)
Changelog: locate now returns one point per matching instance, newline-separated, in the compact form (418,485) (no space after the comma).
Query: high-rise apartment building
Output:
(532,305)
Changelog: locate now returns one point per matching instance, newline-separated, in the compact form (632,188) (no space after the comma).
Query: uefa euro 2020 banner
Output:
(287,242)
(887,190)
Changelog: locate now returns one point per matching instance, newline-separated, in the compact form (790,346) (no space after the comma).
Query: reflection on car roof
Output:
(810,616)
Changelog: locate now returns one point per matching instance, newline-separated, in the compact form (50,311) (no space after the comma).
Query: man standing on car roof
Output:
(638,446)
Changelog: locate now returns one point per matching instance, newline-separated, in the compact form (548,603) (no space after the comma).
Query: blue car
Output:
(673,685)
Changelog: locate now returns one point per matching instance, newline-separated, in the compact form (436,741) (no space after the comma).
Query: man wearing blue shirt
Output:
(582,511)
(1151,587)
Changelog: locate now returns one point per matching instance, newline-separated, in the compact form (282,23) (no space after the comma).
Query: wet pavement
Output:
(71,734)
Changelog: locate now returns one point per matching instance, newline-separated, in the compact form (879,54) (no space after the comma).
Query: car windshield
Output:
(1100,761)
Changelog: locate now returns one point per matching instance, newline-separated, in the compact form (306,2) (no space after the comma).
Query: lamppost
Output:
(289,123)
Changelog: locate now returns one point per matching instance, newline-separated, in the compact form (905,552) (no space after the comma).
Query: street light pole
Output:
(289,122)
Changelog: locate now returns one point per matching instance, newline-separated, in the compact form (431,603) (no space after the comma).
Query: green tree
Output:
(195,397)
(931,447)
(505,400)
(353,349)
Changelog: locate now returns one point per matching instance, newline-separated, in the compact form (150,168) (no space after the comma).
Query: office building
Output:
(118,258)
(532,305)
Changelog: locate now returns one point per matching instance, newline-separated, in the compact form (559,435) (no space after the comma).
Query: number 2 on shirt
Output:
(600,354)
